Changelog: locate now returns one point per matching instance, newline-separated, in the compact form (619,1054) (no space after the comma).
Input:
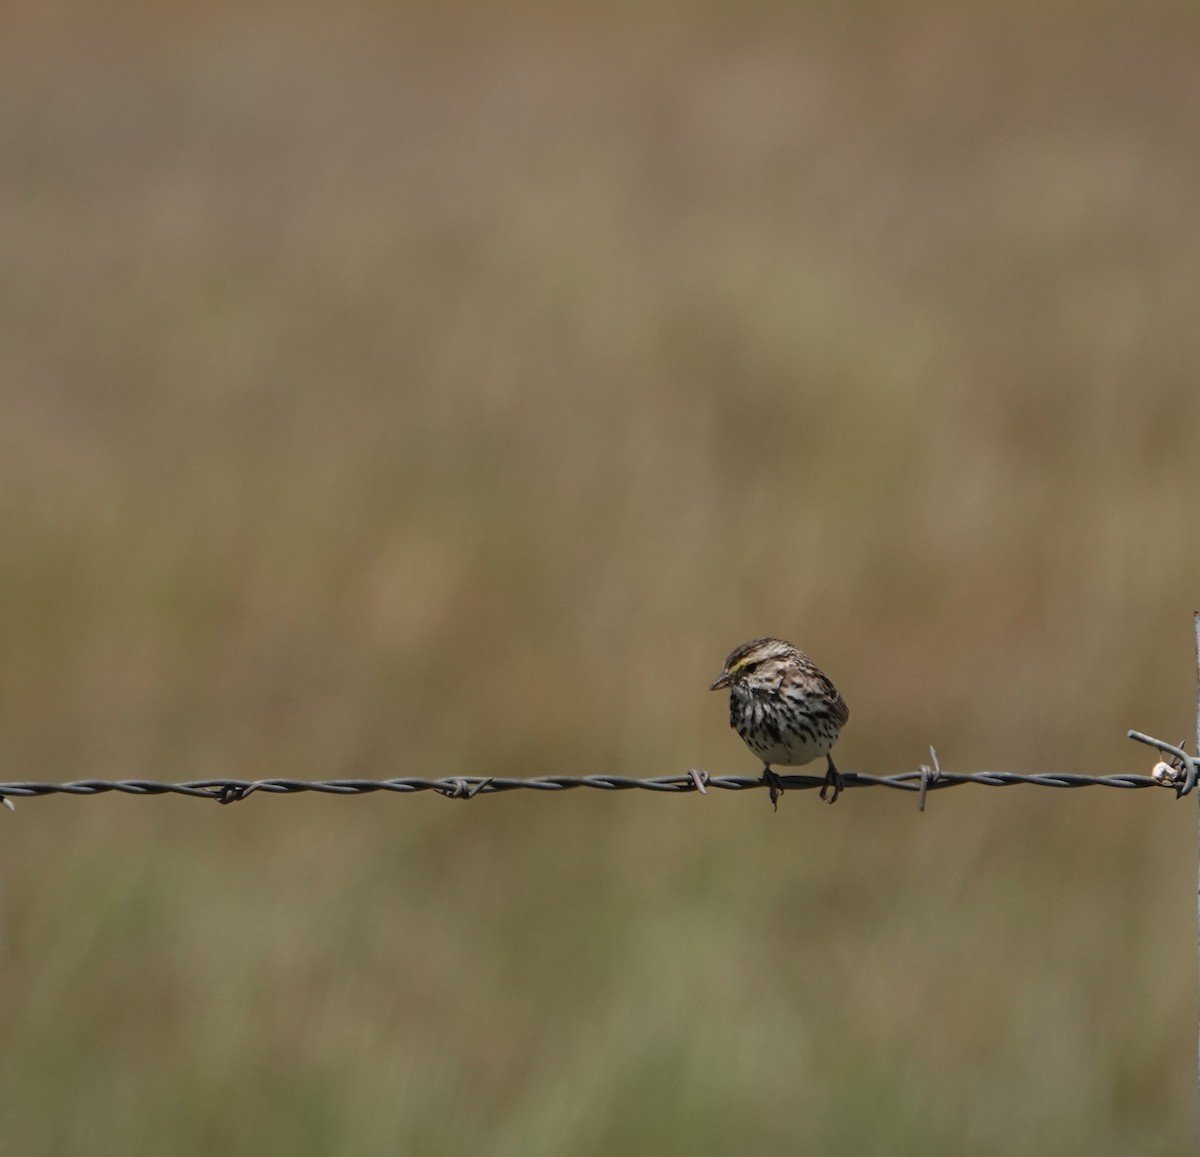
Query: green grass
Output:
(421,395)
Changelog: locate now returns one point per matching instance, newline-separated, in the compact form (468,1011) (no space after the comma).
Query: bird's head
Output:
(756,662)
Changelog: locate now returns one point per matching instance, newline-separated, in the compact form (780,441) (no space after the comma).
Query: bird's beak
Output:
(722,681)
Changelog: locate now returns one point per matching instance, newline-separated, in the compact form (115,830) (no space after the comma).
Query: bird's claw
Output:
(774,786)
(832,787)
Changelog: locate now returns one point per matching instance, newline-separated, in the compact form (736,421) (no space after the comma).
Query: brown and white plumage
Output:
(785,708)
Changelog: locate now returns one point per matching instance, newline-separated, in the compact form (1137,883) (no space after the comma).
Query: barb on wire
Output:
(460,788)
(929,776)
(1179,773)
(695,781)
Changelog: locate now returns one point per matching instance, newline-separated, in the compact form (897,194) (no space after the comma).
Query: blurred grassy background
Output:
(428,391)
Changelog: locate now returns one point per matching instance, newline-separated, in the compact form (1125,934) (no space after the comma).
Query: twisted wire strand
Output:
(1180,776)
(465,787)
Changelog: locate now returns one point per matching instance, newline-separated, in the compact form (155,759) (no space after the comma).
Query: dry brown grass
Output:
(426,393)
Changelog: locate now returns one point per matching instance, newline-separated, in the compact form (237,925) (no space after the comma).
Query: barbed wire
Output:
(1179,774)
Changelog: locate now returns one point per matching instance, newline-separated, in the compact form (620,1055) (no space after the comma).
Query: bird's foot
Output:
(832,787)
(774,786)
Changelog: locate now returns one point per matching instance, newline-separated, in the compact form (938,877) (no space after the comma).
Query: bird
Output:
(785,708)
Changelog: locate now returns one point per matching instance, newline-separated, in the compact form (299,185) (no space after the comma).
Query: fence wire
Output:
(464,786)
(923,780)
